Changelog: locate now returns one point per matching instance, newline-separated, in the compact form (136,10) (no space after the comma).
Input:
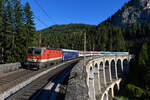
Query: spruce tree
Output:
(143,58)
(1,30)
(143,67)
(9,45)
(19,27)
(31,36)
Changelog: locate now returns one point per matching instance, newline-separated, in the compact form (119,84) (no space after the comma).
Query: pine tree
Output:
(19,28)
(31,36)
(9,51)
(1,30)
(143,58)
(119,43)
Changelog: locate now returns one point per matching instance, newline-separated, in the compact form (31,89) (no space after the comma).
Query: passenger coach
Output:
(69,54)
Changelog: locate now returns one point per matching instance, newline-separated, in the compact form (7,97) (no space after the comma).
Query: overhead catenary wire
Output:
(41,21)
(50,18)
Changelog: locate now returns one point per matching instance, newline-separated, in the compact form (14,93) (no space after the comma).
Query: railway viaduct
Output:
(104,75)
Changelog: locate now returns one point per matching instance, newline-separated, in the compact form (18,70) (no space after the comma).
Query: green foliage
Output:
(102,37)
(124,98)
(143,56)
(29,27)
(1,26)
(14,29)
(134,91)
(138,80)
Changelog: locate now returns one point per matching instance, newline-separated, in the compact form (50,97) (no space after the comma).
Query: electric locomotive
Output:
(38,57)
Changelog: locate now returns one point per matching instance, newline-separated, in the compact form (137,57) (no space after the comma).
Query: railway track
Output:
(10,80)
(29,91)
(53,88)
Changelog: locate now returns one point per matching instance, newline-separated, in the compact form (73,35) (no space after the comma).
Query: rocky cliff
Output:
(134,11)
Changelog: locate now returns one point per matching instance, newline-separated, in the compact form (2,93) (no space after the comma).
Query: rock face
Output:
(77,88)
(134,11)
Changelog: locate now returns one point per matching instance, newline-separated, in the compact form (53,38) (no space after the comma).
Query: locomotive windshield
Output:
(37,52)
(30,51)
(34,51)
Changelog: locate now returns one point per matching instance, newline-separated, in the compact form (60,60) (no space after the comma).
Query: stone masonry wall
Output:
(77,88)
(9,67)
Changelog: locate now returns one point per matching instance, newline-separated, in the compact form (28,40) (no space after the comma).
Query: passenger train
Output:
(38,57)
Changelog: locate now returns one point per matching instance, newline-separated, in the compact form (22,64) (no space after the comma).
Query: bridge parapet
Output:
(104,75)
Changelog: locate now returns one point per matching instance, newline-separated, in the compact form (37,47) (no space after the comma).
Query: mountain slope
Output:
(135,11)
(68,28)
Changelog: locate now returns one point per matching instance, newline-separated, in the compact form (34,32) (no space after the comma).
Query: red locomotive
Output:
(41,57)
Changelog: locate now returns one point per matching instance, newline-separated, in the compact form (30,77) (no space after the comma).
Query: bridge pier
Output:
(122,65)
(91,83)
(110,72)
(116,69)
(96,78)
(99,79)
(104,72)
(104,77)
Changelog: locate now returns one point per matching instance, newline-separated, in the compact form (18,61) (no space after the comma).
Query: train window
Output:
(30,51)
(37,51)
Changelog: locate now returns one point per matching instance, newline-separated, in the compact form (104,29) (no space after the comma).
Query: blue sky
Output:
(90,12)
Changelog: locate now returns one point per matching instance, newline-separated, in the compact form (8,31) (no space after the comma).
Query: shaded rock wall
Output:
(77,88)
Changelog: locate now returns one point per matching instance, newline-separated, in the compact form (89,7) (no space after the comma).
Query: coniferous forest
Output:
(17,33)
(17,30)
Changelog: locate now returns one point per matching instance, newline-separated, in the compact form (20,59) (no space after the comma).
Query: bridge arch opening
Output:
(107,73)
(113,71)
(101,65)
(125,66)
(116,90)
(96,80)
(119,69)
(91,70)
(96,68)
(101,74)
(110,94)
(105,97)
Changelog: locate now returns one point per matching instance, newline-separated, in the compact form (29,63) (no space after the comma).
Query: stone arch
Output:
(110,97)
(115,89)
(101,74)
(91,70)
(119,69)
(105,97)
(101,65)
(107,73)
(96,80)
(125,66)
(113,71)
(96,68)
